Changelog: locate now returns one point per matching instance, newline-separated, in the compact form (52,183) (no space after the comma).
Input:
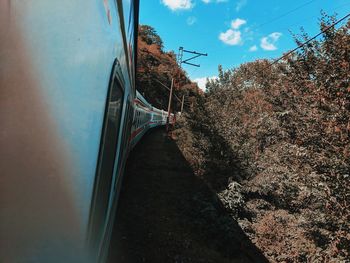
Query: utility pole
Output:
(182,103)
(194,54)
(165,86)
(169,104)
(180,61)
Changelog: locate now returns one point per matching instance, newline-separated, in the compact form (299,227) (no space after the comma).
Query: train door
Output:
(109,146)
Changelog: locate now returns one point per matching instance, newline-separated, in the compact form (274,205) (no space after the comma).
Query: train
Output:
(70,115)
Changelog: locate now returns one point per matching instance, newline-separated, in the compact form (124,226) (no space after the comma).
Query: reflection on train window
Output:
(107,155)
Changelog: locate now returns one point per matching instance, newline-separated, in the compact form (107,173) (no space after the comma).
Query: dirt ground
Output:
(167,214)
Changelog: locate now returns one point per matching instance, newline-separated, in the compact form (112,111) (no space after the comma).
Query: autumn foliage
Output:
(156,68)
(273,140)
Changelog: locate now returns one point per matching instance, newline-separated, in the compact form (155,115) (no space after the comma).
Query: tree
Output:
(288,125)
(149,35)
(156,68)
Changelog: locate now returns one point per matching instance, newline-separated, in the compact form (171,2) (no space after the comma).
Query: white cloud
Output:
(206,1)
(253,48)
(178,4)
(191,20)
(203,81)
(235,24)
(269,42)
(231,37)
(240,4)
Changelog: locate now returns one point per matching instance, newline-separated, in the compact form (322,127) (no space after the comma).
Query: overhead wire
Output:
(288,28)
(167,89)
(314,37)
(284,14)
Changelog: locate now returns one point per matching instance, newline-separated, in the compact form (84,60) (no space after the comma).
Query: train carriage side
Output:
(142,118)
(158,117)
(145,117)
(70,94)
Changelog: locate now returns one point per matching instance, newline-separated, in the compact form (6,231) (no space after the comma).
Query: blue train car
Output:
(69,116)
(145,117)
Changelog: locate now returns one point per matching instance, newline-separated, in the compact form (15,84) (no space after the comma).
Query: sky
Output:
(233,32)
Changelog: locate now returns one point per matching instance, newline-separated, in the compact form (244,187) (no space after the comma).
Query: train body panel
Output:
(65,51)
(141,120)
(145,117)
(70,116)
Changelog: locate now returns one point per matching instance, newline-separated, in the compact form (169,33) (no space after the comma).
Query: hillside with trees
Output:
(273,142)
(156,68)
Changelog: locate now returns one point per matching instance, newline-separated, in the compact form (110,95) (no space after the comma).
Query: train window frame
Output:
(126,129)
(103,183)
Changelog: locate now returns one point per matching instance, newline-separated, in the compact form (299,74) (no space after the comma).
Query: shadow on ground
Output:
(167,214)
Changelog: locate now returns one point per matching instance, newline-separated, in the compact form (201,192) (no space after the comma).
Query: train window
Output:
(124,142)
(106,159)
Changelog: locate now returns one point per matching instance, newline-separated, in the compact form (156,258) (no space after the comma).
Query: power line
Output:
(285,14)
(288,28)
(308,41)
(161,83)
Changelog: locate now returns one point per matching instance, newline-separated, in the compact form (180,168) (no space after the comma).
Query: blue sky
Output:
(233,31)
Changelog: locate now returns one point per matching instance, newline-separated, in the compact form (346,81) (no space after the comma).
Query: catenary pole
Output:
(182,103)
(181,61)
(169,104)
